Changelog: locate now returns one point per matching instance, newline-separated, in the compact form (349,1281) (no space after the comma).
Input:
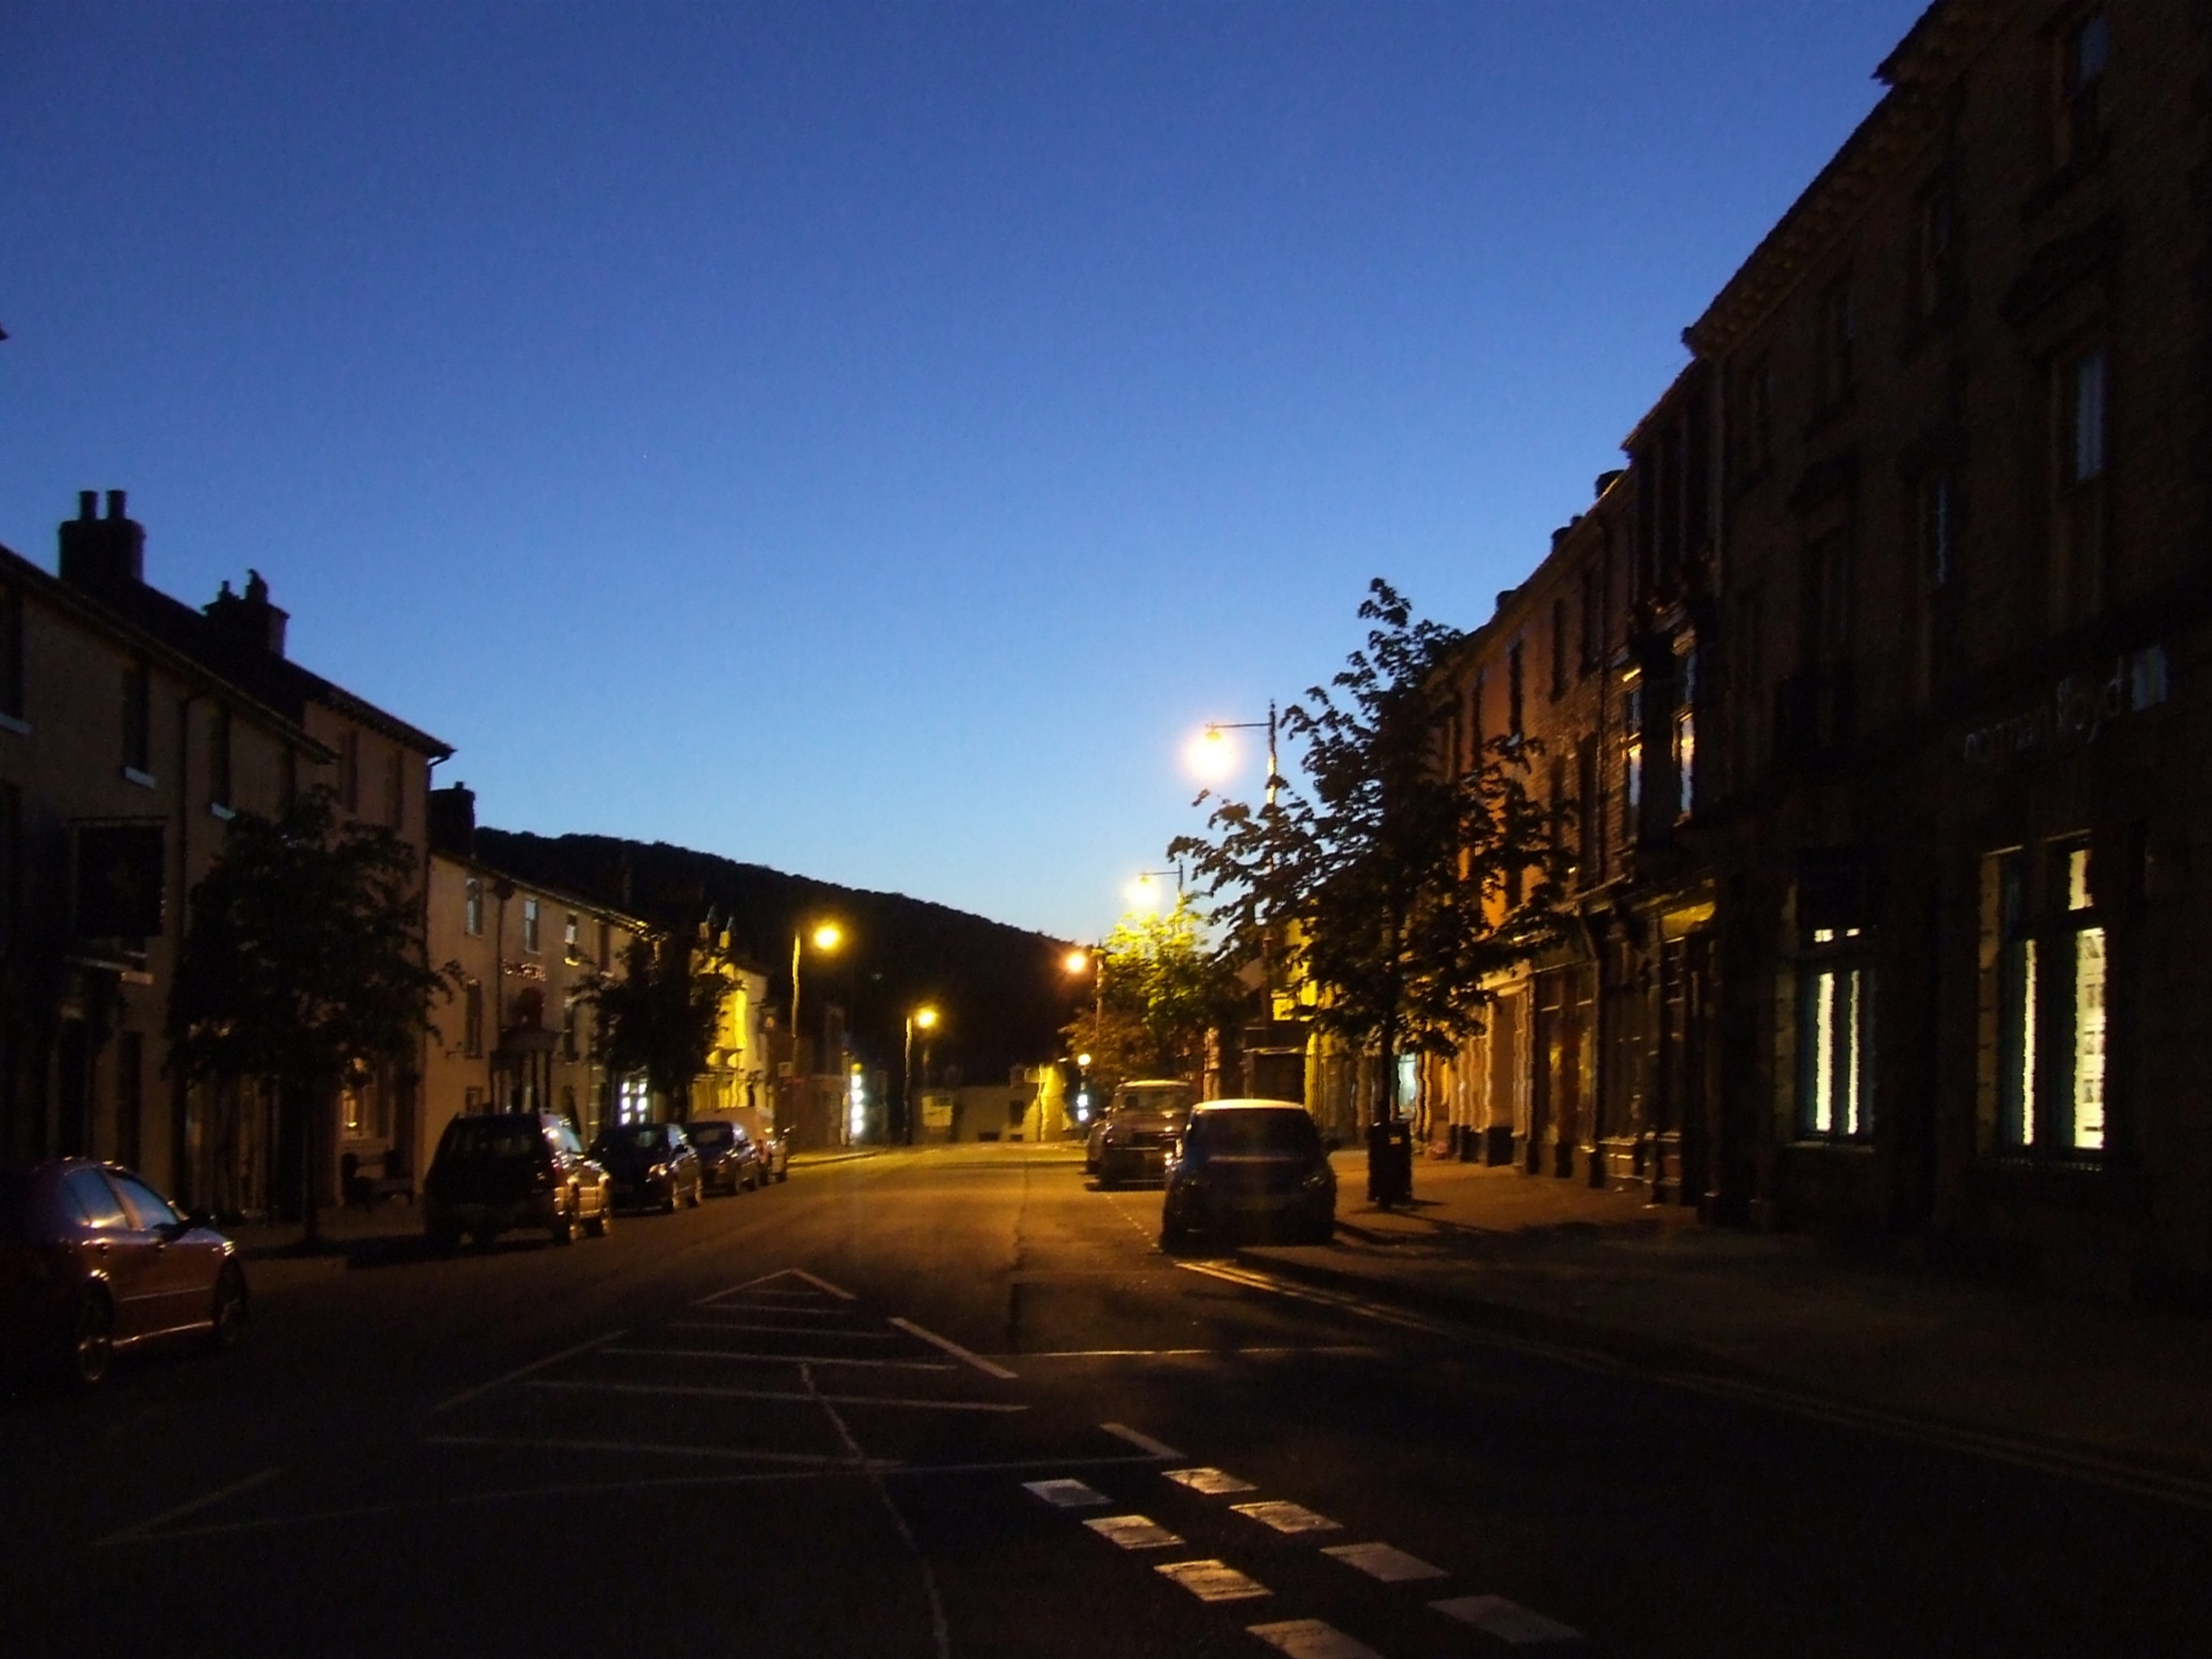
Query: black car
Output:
(496,1171)
(729,1162)
(651,1164)
(1243,1166)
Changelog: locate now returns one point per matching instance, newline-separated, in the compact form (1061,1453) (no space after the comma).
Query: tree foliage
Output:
(660,1015)
(1160,990)
(1401,876)
(303,963)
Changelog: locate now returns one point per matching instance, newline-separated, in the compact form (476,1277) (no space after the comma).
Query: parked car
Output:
(651,1164)
(775,1144)
(94,1262)
(1141,1122)
(1245,1166)
(498,1171)
(729,1162)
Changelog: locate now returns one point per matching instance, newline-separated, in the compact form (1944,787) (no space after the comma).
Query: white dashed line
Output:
(1142,1442)
(1285,1516)
(1067,1494)
(814,1332)
(1382,1561)
(1309,1638)
(946,1344)
(635,1449)
(132,1533)
(1133,1532)
(1213,1581)
(1509,1621)
(1213,1482)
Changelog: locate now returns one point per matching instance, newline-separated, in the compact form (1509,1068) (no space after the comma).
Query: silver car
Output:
(1131,1140)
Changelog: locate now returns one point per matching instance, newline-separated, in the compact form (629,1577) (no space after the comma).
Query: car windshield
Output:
(1254,1133)
(1171,1097)
(710,1136)
(636,1137)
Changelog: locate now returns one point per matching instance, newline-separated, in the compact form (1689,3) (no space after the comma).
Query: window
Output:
(1834,1037)
(1632,754)
(569,1028)
(1828,599)
(2051,977)
(568,933)
(353,1110)
(1589,844)
(633,1101)
(11,653)
(472,1100)
(137,718)
(1513,721)
(219,756)
(472,1012)
(531,940)
(472,907)
(1593,626)
(287,779)
(1754,427)
(1837,331)
(1685,733)
(1934,245)
(2084,53)
(1939,527)
(350,771)
(1558,649)
(606,945)
(395,790)
(2081,392)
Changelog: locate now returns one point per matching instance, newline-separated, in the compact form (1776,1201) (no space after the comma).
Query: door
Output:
(112,1251)
(177,1286)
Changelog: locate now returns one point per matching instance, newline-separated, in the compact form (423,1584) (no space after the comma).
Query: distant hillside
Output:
(1001,990)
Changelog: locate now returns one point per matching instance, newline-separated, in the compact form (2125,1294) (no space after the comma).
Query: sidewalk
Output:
(1553,1261)
(278,1254)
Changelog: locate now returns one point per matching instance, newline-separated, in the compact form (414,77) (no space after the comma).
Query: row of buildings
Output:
(132,728)
(1873,689)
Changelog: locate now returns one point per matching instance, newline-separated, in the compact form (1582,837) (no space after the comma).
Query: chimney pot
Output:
(115,505)
(88,504)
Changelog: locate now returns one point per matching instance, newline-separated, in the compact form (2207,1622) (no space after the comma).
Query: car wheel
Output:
(784,1173)
(604,1221)
(564,1222)
(91,1347)
(226,1319)
(693,1201)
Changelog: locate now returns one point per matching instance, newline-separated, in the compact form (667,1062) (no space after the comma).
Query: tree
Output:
(1160,990)
(1406,876)
(661,1016)
(303,965)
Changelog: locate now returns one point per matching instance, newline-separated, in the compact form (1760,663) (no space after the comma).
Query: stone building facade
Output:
(1893,838)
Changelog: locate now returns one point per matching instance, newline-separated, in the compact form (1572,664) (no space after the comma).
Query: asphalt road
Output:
(957,1403)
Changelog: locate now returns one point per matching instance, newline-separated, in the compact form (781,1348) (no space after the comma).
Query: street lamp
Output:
(1210,755)
(926,1018)
(1144,892)
(828,936)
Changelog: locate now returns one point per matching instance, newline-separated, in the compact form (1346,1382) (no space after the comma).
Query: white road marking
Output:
(1255,1281)
(940,1630)
(1141,1441)
(1213,1482)
(754,1286)
(1383,1561)
(701,1391)
(823,1285)
(1213,1581)
(784,1358)
(133,1533)
(780,1309)
(1133,1532)
(1286,1516)
(1353,1350)
(1067,1494)
(1509,1621)
(521,1371)
(945,1343)
(637,1448)
(1309,1638)
(814,1331)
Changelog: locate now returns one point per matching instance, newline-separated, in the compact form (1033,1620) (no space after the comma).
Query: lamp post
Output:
(925,1017)
(1143,895)
(828,936)
(1210,756)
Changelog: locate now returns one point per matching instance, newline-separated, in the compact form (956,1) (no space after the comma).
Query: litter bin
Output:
(1390,1162)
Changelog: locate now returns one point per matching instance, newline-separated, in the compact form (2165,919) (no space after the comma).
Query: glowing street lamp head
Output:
(1143,894)
(925,1017)
(1084,1061)
(829,936)
(1210,755)
(1077,962)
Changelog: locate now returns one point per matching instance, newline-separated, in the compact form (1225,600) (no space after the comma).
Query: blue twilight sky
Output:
(866,439)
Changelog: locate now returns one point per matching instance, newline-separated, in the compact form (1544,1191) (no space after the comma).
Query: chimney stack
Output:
(250,624)
(101,553)
(453,820)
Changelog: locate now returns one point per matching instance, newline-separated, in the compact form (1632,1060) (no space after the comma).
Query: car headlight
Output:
(658,1171)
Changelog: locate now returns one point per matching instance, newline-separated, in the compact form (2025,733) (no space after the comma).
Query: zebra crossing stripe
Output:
(1310,1638)
(1509,1621)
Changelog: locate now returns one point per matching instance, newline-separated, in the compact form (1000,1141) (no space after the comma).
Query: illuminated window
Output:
(1835,1037)
(569,937)
(472,1023)
(472,907)
(530,929)
(2052,1005)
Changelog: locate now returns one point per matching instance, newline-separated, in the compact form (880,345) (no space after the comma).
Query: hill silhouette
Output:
(1001,991)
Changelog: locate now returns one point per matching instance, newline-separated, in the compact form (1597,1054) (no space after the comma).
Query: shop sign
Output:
(2075,711)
